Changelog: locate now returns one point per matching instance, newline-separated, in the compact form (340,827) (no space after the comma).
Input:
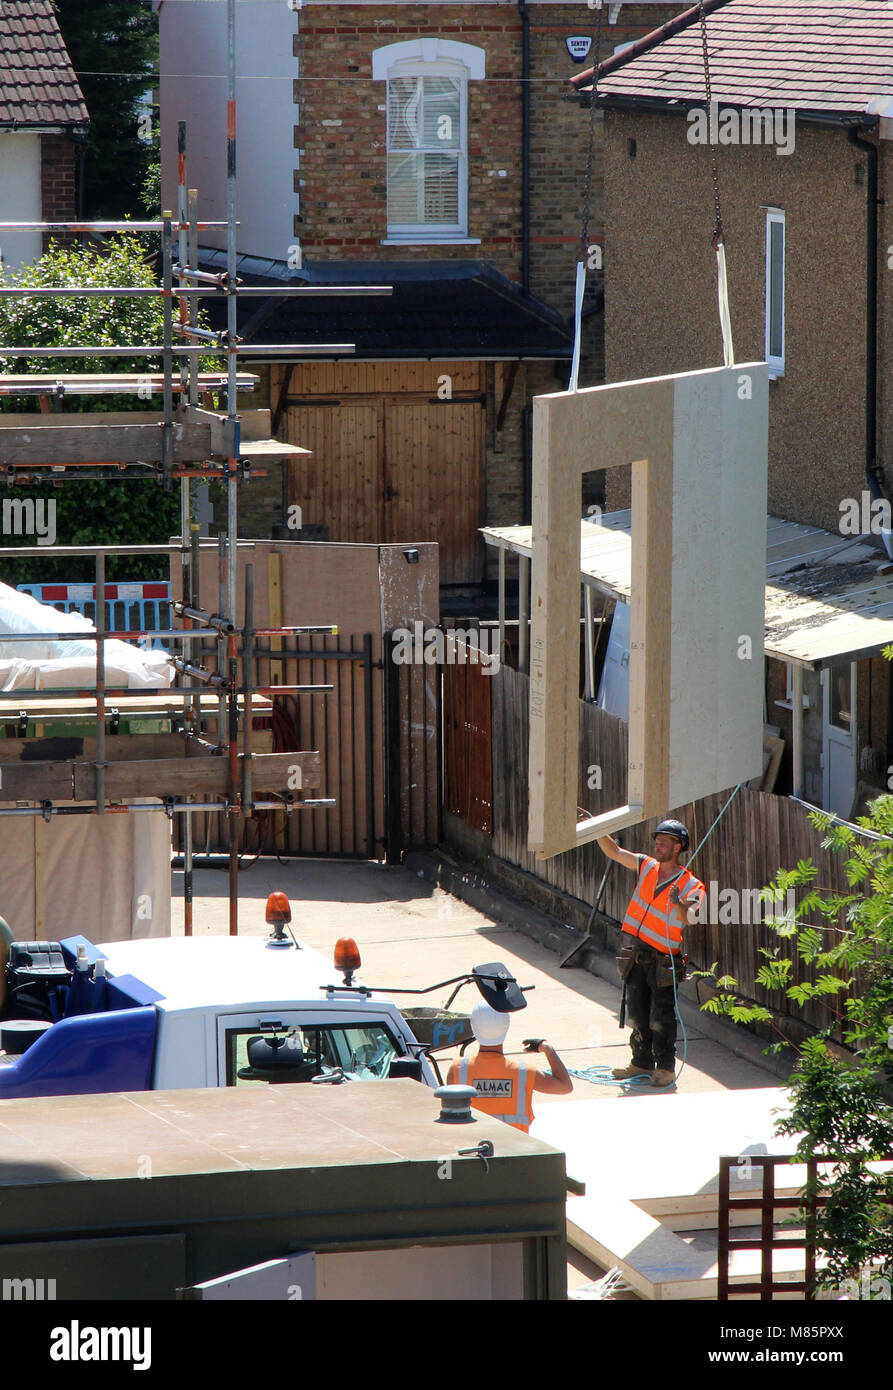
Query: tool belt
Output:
(639,953)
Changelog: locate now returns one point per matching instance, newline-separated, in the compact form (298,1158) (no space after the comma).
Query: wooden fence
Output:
(468,747)
(758,834)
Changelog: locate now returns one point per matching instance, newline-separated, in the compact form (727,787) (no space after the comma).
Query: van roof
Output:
(198,972)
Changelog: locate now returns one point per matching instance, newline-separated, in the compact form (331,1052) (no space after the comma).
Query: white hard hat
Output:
(488,1026)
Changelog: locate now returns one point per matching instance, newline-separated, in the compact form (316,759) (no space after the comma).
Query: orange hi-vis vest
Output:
(648,916)
(504,1087)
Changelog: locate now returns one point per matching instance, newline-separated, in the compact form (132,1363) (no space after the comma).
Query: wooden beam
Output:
(61,439)
(118,747)
(222,429)
(271,772)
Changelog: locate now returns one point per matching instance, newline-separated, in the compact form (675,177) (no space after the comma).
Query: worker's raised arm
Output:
(559,1082)
(625,857)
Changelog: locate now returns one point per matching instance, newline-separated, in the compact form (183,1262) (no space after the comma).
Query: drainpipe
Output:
(525,146)
(873,475)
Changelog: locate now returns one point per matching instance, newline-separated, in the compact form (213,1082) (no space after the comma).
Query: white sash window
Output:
(427,136)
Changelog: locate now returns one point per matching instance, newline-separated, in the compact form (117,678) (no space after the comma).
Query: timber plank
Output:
(73,442)
(182,777)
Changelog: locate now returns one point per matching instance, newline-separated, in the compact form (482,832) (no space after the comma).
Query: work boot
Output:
(624,1073)
(663,1078)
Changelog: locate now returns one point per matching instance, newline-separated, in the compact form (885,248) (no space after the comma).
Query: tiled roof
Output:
(37,82)
(831,56)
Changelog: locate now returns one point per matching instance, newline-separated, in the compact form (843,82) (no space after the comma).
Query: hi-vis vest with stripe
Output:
(648,916)
(504,1087)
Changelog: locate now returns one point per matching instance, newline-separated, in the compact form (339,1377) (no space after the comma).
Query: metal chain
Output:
(718,234)
(590,156)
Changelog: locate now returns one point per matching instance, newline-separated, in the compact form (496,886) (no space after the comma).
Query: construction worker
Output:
(665,900)
(505,1086)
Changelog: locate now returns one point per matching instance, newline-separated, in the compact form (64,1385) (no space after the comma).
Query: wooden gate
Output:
(397,453)
(467,745)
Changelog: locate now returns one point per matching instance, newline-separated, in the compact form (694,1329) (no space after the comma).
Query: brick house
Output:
(43,121)
(391,143)
(803,130)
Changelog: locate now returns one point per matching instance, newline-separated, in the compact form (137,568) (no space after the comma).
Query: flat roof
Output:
(828,597)
(233,1129)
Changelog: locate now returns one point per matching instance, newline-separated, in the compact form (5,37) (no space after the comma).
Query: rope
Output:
(601,1075)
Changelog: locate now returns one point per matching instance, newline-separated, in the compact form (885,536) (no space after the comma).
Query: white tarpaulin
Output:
(108,877)
(48,665)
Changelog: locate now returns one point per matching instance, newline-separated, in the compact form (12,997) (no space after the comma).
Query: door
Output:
(339,486)
(432,483)
(397,454)
(839,739)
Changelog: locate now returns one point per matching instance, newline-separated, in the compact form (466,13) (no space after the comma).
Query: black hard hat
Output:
(674,828)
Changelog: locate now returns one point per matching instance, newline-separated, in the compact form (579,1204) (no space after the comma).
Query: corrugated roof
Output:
(831,56)
(828,597)
(38,85)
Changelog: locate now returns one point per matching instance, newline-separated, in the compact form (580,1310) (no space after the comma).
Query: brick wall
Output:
(58,179)
(559,146)
(343,131)
(340,140)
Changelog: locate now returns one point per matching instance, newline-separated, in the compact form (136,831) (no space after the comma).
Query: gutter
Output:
(525,146)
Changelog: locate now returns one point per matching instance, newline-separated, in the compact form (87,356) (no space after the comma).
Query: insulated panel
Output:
(697,444)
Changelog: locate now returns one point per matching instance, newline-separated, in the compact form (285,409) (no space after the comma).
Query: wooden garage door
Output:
(392,460)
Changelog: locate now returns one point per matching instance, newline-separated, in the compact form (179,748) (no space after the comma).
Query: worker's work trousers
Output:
(650,1006)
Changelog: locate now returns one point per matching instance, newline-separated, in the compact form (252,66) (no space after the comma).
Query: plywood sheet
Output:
(636,1193)
(697,444)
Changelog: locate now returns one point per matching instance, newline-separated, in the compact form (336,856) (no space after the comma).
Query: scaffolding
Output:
(188,442)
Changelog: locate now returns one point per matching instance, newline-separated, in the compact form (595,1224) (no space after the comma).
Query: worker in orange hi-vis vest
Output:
(667,898)
(505,1085)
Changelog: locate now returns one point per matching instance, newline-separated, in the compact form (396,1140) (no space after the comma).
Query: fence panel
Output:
(758,834)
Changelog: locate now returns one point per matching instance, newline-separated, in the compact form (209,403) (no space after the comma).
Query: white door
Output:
(839,739)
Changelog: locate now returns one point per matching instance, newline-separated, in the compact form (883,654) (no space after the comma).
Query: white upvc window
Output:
(775,319)
(427,136)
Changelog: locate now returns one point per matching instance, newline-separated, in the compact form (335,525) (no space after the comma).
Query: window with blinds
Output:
(426,155)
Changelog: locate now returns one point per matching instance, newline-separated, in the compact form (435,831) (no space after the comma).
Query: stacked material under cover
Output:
(49,665)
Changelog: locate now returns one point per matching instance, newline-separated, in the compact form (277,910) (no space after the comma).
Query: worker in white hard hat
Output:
(505,1085)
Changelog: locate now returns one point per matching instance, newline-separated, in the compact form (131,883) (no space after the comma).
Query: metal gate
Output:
(378,734)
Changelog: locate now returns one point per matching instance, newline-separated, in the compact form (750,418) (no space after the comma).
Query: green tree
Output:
(101,512)
(841,1085)
(113,45)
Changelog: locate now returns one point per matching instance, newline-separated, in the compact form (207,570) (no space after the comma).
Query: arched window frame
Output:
(433,57)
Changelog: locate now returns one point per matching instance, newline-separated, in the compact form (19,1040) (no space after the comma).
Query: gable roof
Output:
(822,56)
(38,86)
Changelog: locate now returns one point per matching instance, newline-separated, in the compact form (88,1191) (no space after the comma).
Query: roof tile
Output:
(38,85)
(812,55)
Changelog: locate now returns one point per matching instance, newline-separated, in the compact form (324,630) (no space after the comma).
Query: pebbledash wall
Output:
(817,409)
